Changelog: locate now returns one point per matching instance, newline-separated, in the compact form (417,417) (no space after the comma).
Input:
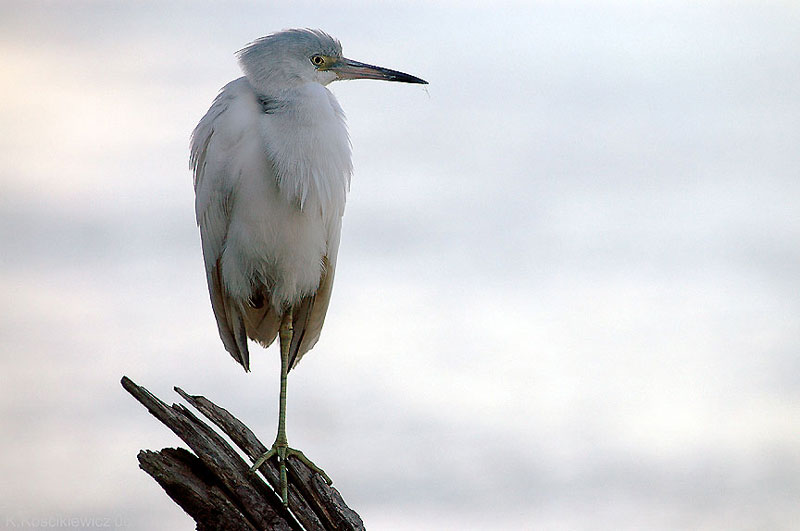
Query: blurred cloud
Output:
(567,293)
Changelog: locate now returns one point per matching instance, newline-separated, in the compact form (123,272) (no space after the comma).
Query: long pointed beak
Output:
(349,69)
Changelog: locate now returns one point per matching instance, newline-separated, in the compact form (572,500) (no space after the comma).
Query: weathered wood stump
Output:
(214,484)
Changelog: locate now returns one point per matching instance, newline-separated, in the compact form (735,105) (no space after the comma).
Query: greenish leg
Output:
(280,448)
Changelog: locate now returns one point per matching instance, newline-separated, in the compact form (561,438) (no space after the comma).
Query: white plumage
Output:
(269,202)
(271,162)
(272,166)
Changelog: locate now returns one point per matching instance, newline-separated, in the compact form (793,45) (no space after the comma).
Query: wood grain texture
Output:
(214,485)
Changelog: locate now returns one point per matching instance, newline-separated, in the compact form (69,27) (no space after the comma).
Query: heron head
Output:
(298,56)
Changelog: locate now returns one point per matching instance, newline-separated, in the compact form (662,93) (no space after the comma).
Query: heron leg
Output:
(280,448)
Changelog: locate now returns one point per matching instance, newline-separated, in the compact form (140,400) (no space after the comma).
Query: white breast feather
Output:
(310,149)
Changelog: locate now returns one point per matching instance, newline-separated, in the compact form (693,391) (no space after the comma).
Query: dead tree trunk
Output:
(214,484)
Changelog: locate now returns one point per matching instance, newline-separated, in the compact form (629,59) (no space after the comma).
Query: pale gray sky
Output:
(567,295)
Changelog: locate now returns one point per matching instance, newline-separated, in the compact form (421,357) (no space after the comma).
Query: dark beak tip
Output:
(412,79)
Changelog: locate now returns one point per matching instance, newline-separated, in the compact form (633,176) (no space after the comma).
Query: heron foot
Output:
(281,451)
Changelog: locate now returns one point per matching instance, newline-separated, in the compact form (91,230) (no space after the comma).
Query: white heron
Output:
(272,165)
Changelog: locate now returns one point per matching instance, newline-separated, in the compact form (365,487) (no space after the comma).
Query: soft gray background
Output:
(568,290)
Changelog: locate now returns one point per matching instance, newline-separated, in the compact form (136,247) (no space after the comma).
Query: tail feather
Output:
(262,323)
(237,321)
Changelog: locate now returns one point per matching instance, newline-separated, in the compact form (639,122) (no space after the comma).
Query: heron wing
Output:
(216,140)
(309,314)
(221,148)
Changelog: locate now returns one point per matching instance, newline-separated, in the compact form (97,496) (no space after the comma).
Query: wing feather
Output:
(309,315)
(211,146)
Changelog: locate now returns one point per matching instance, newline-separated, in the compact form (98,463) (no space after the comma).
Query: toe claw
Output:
(281,452)
(314,468)
(263,459)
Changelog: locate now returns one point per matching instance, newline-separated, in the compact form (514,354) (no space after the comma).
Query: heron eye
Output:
(318,60)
